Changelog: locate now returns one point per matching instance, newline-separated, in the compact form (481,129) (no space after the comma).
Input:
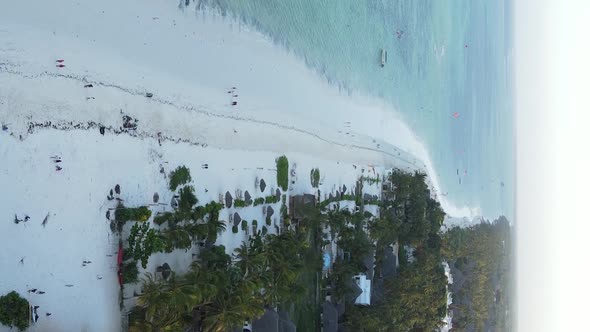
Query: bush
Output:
(315,177)
(268,221)
(264,230)
(244,225)
(141,213)
(254,226)
(241,203)
(179,176)
(271,199)
(234,229)
(161,218)
(14,311)
(283,172)
(130,272)
(258,201)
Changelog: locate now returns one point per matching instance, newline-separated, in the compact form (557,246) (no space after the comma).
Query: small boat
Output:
(383,57)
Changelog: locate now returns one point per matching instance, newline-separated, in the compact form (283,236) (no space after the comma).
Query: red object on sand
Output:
(60,65)
(456,115)
(59,60)
(119,264)
(120,256)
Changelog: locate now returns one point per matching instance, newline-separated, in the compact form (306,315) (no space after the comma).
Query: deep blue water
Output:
(430,75)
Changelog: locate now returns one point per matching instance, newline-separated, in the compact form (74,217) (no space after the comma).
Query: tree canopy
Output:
(14,311)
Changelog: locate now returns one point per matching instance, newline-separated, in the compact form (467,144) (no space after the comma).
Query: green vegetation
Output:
(254,226)
(415,299)
(271,199)
(283,173)
(315,177)
(143,242)
(187,199)
(234,229)
(14,311)
(220,295)
(482,255)
(241,203)
(181,175)
(123,214)
(326,202)
(370,180)
(130,272)
(162,218)
(259,201)
(244,225)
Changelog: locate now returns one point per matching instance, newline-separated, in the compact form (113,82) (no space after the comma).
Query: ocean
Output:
(448,74)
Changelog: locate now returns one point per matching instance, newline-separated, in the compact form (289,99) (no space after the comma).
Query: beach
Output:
(120,91)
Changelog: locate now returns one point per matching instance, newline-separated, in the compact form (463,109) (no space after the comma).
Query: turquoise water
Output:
(430,75)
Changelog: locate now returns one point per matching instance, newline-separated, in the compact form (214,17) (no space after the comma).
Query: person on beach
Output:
(234,103)
(57,168)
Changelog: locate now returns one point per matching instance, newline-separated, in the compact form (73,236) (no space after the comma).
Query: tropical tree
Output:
(14,311)
(143,242)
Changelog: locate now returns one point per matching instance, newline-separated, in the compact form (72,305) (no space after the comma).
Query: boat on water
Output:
(383,57)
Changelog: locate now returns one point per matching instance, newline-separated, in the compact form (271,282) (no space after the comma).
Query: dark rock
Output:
(278,194)
(228,199)
(262,185)
(247,197)
(343,189)
(237,219)
(156,197)
(118,189)
(269,212)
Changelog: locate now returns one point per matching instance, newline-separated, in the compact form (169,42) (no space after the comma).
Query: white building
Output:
(365,285)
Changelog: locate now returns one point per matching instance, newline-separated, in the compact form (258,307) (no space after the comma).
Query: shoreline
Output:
(268,78)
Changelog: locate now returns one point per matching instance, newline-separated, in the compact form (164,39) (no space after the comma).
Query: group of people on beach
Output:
(34,314)
(234,94)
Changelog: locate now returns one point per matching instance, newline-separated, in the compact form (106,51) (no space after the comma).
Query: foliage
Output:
(130,272)
(415,299)
(271,199)
(187,199)
(244,225)
(123,214)
(14,311)
(222,294)
(482,255)
(259,201)
(161,218)
(283,173)
(241,203)
(234,229)
(315,177)
(181,175)
(143,242)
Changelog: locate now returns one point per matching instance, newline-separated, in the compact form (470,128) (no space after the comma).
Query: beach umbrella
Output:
(456,115)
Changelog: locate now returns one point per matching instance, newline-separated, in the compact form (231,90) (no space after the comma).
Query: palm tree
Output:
(214,228)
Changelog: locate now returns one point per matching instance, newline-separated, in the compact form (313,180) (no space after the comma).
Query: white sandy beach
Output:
(188,61)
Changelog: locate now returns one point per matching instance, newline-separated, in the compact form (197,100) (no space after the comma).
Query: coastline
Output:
(189,77)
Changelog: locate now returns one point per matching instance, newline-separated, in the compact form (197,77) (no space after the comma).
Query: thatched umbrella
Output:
(247,198)
(269,212)
(262,185)
(165,270)
(228,199)
(237,219)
